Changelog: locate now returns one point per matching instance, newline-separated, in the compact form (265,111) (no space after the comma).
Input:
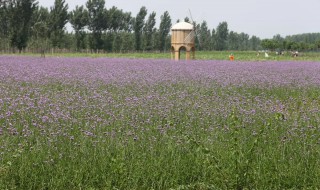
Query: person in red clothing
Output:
(231,57)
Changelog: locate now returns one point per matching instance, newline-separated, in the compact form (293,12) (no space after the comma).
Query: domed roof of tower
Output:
(182,26)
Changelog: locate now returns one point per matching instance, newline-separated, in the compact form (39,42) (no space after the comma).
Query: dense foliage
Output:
(25,25)
(302,42)
(16,19)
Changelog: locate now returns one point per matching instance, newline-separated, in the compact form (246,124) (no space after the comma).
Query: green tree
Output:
(58,20)
(41,14)
(278,40)
(243,41)
(233,41)
(4,25)
(138,26)
(20,15)
(79,20)
(115,17)
(117,43)
(269,44)
(222,36)
(307,38)
(205,36)
(97,22)
(127,41)
(164,29)
(126,23)
(254,43)
(317,44)
(213,39)
(197,32)
(40,30)
(40,37)
(149,31)
(303,46)
(108,39)
(4,17)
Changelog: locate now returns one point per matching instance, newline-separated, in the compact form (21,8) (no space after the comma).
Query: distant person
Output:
(266,55)
(231,57)
(295,54)
(280,52)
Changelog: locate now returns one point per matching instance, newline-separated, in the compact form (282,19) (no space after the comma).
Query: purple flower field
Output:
(107,123)
(146,71)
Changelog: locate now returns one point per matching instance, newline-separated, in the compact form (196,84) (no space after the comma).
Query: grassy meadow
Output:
(121,123)
(200,55)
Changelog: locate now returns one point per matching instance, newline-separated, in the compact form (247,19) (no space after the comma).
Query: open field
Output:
(119,123)
(200,55)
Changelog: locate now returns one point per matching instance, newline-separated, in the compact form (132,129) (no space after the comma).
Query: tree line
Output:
(301,42)
(25,24)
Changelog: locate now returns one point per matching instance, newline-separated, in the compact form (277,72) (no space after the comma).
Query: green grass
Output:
(200,55)
(206,140)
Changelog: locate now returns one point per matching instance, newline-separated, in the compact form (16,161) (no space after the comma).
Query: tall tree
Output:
(222,36)
(233,41)
(97,22)
(244,41)
(138,26)
(127,41)
(268,44)
(40,36)
(115,17)
(213,39)
(4,24)
(79,20)
(278,39)
(127,22)
(197,28)
(117,43)
(204,35)
(164,29)
(149,30)
(41,14)
(20,15)
(40,29)
(4,17)
(317,44)
(254,43)
(58,20)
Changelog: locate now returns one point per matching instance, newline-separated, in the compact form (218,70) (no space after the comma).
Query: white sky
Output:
(263,18)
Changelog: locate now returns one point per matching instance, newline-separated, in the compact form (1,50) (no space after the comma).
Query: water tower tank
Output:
(182,36)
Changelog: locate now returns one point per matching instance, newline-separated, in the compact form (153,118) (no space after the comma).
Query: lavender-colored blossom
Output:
(92,71)
(110,98)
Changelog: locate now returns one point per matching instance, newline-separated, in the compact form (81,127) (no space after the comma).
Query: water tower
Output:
(182,36)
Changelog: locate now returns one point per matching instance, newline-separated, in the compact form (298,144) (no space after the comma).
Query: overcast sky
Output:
(263,18)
